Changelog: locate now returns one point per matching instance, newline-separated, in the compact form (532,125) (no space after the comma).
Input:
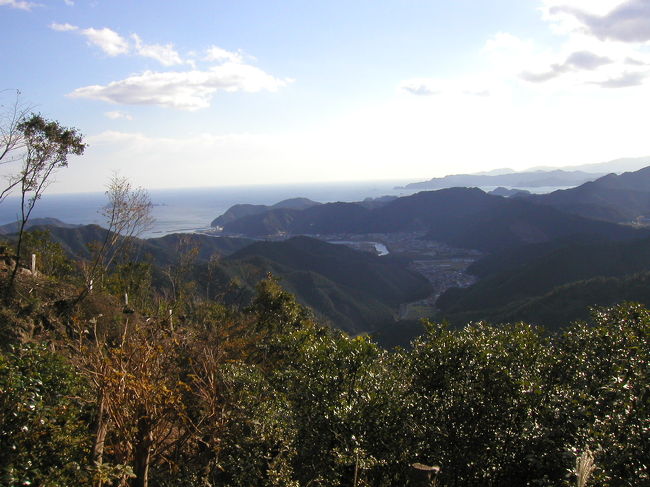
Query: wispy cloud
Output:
(116,115)
(421,87)
(63,27)
(625,80)
(435,86)
(114,44)
(601,43)
(19,4)
(107,40)
(164,54)
(627,22)
(577,61)
(215,53)
(189,90)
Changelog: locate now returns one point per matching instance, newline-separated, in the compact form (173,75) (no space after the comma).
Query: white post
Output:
(126,299)
(171,323)
(33,263)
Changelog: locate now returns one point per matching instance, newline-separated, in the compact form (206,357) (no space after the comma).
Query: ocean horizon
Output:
(187,210)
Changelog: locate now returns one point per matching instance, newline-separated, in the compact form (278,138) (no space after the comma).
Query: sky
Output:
(205,93)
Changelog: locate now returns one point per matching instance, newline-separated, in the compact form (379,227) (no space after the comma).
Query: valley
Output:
(296,315)
(325,243)
(443,266)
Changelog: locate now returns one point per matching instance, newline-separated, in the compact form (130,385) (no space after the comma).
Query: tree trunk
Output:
(142,452)
(100,434)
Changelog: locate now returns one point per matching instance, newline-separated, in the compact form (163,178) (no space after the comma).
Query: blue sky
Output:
(210,93)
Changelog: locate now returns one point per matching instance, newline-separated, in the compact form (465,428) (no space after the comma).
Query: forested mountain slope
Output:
(356,291)
(614,198)
(241,210)
(463,217)
(515,285)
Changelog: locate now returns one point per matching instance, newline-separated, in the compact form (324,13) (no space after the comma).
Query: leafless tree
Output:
(128,215)
(12,140)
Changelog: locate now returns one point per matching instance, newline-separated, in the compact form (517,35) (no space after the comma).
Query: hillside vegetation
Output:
(462,217)
(549,283)
(355,291)
(183,361)
(176,388)
(614,198)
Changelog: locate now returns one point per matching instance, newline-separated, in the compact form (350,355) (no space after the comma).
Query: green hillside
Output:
(564,304)
(355,291)
(462,217)
(614,198)
(516,285)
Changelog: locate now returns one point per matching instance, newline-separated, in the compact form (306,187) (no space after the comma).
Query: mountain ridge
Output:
(614,198)
(462,217)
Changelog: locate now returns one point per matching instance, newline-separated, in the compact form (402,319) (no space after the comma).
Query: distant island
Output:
(537,177)
(534,179)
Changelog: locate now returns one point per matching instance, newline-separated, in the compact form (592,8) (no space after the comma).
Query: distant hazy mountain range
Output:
(548,257)
(621,198)
(625,164)
(241,210)
(461,217)
(15,226)
(535,177)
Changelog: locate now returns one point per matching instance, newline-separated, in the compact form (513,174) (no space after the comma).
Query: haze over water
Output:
(187,210)
(192,209)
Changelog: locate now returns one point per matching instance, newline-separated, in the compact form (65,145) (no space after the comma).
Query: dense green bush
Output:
(44,439)
(266,397)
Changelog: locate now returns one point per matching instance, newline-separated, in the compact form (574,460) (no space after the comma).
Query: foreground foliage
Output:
(263,396)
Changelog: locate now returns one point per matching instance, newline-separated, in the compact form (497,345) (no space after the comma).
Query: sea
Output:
(192,210)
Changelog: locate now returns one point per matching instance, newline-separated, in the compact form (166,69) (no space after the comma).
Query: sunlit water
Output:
(190,210)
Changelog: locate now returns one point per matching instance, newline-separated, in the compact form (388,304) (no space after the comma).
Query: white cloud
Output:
(116,115)
(580,62)
(437,135)
(628,21)
(218,54)
(603,44)
(107,40)
(625,80)
(577,61)
(421,86)
(596,7)
(586,60)
(188,90)
(69,3)
(164,54)
(192,89)
(63,27)
(435,86)
(114,44)
(19,4)
(557,12)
